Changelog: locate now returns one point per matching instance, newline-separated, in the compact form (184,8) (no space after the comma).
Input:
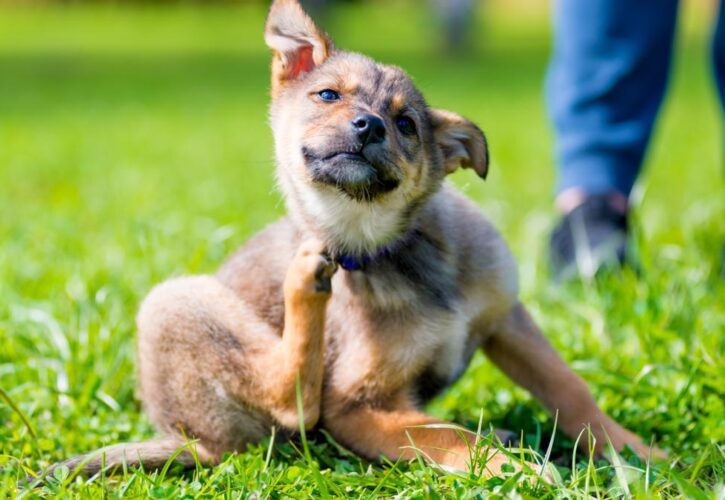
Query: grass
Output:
(133,148)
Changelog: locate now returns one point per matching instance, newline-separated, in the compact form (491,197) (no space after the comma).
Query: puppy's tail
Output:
(152,454)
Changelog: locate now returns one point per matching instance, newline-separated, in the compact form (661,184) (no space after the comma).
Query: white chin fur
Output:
(354,226)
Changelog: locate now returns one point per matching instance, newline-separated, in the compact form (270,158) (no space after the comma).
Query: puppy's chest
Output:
(372,355)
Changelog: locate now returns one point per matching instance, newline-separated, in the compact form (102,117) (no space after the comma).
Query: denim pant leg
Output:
(718,52)
(606,80)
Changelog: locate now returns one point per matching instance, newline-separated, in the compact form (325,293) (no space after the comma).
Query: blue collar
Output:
(351,263)
(360,262)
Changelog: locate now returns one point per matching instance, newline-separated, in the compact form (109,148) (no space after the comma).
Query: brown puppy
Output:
(425,281)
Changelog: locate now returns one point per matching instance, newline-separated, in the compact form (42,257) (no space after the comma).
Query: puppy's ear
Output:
(461,142)
(299,45)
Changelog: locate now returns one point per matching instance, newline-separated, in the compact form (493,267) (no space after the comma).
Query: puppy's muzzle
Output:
(357,165)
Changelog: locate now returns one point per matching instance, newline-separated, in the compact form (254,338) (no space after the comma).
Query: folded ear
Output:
(461,142)
(299,45)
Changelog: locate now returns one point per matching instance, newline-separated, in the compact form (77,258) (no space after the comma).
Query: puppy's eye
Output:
(406,125)
(328,95)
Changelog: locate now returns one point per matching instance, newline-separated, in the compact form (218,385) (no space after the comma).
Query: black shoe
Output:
(590,237)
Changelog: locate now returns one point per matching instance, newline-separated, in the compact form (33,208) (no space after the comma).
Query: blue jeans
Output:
(606,81)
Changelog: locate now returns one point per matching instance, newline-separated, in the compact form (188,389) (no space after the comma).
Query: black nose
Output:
(369,128)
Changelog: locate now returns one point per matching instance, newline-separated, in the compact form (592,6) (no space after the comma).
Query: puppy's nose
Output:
(369,128)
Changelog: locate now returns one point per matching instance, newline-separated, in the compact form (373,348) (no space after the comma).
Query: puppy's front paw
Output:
(311,270)
(643,451)
(646,452)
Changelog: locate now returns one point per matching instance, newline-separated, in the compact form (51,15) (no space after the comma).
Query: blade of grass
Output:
(18,412)
(619,471)
(185,447)
(324,493)
(268,457)
(385,478)
(547,455)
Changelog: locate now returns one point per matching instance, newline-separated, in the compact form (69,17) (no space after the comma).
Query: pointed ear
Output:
(298,44)
(461,142)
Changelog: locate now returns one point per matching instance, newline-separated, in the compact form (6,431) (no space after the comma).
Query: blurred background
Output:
(134,146)
(121,111)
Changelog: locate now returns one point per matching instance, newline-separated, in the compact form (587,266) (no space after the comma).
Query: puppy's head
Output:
(358,149)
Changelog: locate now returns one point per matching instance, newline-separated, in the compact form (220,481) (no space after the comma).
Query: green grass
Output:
(134,147)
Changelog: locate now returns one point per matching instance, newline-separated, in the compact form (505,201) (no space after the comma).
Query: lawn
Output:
(134,147)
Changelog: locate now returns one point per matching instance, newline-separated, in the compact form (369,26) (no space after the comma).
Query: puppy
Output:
(366,300)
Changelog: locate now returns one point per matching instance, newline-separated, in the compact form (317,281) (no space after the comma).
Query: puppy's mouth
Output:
(346,155)
(358,174)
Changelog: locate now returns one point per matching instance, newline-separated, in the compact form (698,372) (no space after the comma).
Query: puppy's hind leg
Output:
(211,370)
(210,364)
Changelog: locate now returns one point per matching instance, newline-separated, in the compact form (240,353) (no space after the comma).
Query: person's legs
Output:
(606,81)
(605,84)
(718,52)
(718,58)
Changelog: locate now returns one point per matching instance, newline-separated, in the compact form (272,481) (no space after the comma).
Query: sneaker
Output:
(587,239)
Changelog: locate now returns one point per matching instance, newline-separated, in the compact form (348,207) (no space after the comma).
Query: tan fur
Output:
(219,356)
